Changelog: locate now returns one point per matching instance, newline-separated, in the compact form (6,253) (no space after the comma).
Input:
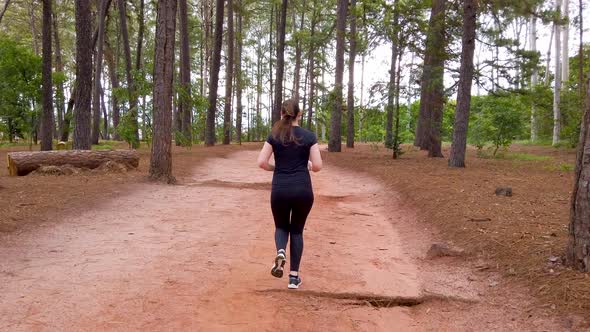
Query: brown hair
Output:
(283,129)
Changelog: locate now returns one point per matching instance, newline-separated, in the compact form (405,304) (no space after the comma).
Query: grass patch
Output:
(519,156)
(522,156)
(104,146)
(562,167)
(541,142)
(13,144)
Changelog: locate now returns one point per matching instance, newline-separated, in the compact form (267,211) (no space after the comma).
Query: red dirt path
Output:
(197,256)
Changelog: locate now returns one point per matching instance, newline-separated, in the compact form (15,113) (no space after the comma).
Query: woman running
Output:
(296,152)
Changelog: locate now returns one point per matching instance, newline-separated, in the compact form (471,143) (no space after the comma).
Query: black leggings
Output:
(290,207)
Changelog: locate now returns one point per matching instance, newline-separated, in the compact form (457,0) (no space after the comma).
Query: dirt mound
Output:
(105,168)
(112,167)
(57,170)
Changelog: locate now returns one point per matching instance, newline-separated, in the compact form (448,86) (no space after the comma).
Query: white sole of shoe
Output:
(277,268)
(294,286)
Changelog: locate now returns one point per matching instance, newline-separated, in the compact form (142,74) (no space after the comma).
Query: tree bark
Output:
(565,70)
(390,96)
(423,130)
(214,75)
(59,93)
(229,69)
(140,33)
(281,26)
(114,77)
(557,87)
(239,76)
(259,57)
(534,79)
(436,102)
(105,119)
(578,249)
(352,56)
(297,70)
(396,137)
(311,55)
(459,146)
(83,98)
(47,122)
(69,115)
(335,140)
(582,81)
(270,75)
(104,7)
(23,163)
(128,66)
(161,154)
(185,110)
(6,4)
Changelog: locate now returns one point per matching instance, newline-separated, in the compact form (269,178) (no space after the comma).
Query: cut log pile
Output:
(23,163)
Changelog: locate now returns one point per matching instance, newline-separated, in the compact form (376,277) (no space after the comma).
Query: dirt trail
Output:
(197,256)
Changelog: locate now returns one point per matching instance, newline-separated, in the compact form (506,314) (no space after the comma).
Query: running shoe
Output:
(294,282)
(280,260)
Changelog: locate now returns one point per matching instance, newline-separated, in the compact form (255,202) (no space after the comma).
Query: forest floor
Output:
(115,252)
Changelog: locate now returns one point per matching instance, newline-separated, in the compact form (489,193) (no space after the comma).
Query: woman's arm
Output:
(264,157)
(316,158)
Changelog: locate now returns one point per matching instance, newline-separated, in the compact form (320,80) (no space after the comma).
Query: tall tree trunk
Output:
(352,56)
(534,79)
(298,46)
(207,14)
(128,66)
(83,94)
(239,77)
(422,138)
(363,59)
(557,87)
(47,123)
(335,141)
(59,93)
(270,75)
(457,158)
(281,26)
(259,57)
(140,33)
(581,78)
(390,96)
(565,70)
(438,69)
(311,56)
(104,7)
(161,156)
(578,249)
(6,4)
(214,74)
(229,69)
(396,136)
(105,118)
(114,77)
(431,99)
(185,109)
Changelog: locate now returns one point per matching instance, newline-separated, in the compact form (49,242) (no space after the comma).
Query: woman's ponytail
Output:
(283,129)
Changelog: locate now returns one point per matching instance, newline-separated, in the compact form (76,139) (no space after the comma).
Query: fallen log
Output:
(23,163)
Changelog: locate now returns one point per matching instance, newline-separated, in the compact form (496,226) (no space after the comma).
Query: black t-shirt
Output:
(291,158)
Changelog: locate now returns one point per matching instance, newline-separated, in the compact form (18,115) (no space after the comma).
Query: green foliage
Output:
(126,130)
(20,87)
(497,120)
